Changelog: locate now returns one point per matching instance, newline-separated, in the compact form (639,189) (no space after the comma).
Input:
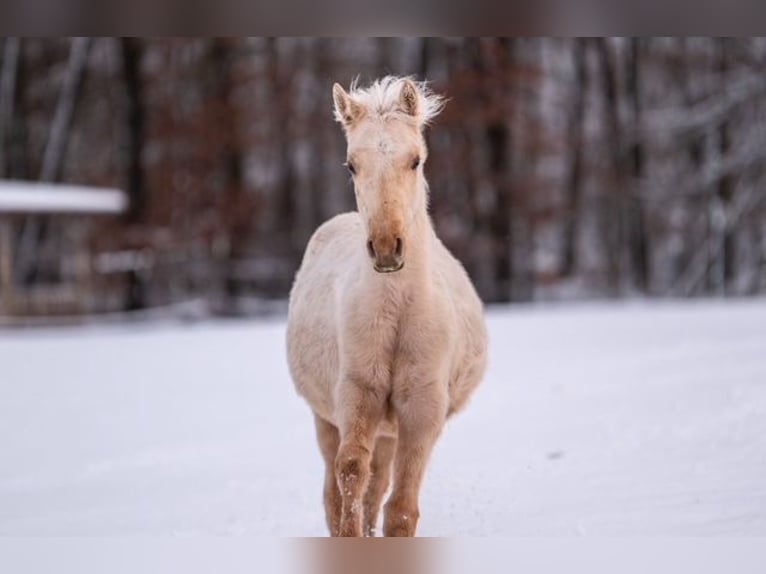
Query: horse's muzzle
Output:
(388,268)
(387,255)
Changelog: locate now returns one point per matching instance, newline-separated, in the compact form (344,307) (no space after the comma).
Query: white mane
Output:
(381,98)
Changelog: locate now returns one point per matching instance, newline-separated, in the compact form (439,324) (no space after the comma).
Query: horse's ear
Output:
(408,98)
(347,111)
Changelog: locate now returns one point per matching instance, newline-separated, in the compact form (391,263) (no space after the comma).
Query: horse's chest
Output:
(384,344)
(371,340)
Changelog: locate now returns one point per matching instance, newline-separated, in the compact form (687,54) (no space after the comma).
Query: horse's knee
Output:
(352,469)
(401,518)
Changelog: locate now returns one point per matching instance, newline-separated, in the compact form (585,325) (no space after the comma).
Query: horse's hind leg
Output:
(329,440)
(380,477)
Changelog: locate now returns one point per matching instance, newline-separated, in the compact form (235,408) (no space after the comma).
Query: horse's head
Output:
(386,151)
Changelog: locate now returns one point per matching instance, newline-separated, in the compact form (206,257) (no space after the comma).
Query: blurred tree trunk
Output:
(482,248)
(337,196)
(131,52)
(500,141)
(8,78)
(638,240)
(693,142)
(281,101)
(234,222)
(489,63)
(725,187)
(304,151)
(524,106)
(759,282)
(15,137)
(574,167)
(33,259)
(58,137)
(612,220)
(322,148)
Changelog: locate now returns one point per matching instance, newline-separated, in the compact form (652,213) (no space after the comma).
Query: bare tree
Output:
(8,75)
(574,166)
(612,208)
(131,54)
(638,236)
(230,155)
(725,189)
(30,257)
(279,85)
(491,157)
(55,147)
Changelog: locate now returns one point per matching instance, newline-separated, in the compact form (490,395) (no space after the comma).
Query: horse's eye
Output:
(351,168)
(415,163)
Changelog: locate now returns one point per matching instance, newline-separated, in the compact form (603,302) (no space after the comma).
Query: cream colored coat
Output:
(382,358)
(394,329)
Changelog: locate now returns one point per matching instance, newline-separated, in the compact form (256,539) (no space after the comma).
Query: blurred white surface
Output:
(633,419)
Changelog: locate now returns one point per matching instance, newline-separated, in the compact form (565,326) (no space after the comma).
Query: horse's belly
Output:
(467,375)
(313,360)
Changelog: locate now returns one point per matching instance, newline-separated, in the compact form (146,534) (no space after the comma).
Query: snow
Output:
(30,197)
(625,419)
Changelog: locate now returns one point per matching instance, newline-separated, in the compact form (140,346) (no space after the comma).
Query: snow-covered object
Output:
(29,198)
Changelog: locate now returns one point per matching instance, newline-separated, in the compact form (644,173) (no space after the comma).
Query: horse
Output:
(385,335)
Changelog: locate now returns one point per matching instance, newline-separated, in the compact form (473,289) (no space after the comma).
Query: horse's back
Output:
(332,239)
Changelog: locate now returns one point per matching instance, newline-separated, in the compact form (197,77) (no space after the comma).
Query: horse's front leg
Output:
(361,410)
(421,418)
(382,459)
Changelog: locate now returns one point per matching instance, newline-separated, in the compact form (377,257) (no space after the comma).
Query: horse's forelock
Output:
(382,98)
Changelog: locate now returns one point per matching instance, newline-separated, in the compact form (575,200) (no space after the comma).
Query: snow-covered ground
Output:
(639,419)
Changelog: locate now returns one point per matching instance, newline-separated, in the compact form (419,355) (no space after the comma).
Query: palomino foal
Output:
(385,335)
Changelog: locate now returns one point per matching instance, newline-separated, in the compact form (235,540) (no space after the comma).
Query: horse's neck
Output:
(421,244)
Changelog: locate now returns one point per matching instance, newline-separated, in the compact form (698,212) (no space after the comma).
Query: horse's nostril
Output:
(398,248)
(370,249)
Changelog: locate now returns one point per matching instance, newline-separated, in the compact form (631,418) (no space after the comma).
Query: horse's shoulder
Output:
(343,220)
